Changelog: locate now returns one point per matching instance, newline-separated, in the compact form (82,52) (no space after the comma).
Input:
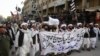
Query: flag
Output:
(22,2)
(18,9)
(72,5)
(12,13)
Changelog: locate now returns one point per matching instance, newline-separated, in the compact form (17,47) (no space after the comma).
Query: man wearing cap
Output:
(63,27)
(97,30)
(86,39)
(10,33)
(80,33)
(35,50)
(23,41)
(70,33)
(52,26)
(93,39)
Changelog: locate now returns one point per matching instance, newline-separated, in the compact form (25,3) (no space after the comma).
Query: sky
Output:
(9,5)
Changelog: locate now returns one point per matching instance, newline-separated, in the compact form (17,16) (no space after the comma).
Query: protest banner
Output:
(54,42)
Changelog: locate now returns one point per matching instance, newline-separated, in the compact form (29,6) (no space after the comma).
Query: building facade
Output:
(89,5)
(46,7)
(29,8)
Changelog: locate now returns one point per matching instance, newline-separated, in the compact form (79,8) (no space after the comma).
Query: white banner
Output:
(54,42)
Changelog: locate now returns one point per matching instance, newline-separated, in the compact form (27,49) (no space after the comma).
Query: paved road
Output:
(95,52)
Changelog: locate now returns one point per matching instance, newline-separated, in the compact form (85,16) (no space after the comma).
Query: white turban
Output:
(26,24)
(97,24)
(63,25)
(70,25)
(33,24)
(79,24)
(91,23)
(46,22)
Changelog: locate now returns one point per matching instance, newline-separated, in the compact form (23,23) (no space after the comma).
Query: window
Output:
(99,3)
(91,3)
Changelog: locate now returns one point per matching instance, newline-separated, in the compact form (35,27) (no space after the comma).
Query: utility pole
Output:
(55,6)
(66,5)
(84,3)
(47,3)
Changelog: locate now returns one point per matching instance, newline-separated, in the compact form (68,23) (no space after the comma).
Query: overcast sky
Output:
(9,5)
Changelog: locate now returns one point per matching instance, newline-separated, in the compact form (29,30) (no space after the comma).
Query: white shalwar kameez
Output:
(35,47)
(27,42)
(86,40)
(79,35)
(73,39)
(93,40)
(97,32)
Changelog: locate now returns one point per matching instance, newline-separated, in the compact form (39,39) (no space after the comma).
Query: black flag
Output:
(72,5)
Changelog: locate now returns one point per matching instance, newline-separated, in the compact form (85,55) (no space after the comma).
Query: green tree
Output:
(1,18)
(9,18)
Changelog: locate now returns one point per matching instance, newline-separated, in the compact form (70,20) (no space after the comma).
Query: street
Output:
(95,52)
(50,28)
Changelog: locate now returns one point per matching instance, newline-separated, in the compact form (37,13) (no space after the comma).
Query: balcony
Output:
(93,8)
(57,3)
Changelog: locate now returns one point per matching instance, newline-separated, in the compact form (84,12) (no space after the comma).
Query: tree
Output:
(9,18)
(1,18)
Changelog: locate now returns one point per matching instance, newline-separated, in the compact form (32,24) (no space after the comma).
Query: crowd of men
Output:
(24,39)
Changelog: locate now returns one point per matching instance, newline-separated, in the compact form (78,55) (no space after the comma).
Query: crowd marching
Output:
(49,38)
